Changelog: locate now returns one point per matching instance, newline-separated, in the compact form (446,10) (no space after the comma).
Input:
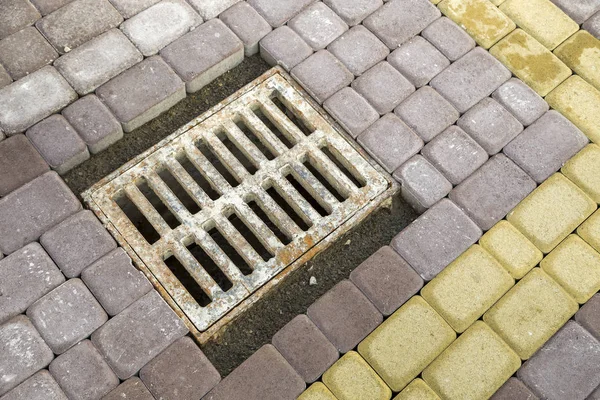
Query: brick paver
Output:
(579,11)
(247,24)
(592,25)
(40,386)
(449,38)
(417,389)
(317,391)
(590,231)
(129,8)
(16,15)
(211,8)
(318,25)
(418,60)
(351,111)
(284,47)
(581,53)
(25,52)
(518,98)
(588,316)
(48,6)
(358,49)
(132,388)
(354,11)
(19,163)
(514,389)
(5,79)
(278,13)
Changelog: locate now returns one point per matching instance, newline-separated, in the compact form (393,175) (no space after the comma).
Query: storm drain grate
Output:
(222,206)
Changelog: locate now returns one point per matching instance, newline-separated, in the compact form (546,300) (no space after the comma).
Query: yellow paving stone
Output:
(417,390)
(529,60)
(531,312)
(473,367)
(579,102)
(552,211)
(576,266)
(435,1)
(590,231)
(497,2)
(317,391)
(584,170)
(467,288)
(581,53)
(547,23)
(351,378)
(480,18)
(514,252)
(406,343)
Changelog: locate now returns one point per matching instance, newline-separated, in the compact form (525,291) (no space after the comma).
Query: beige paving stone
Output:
(317,391)
(406,343)
(435,1)
(417,390)
(480,18)
(467,288)
(579,102)
(552,211)
(514,252)
(581,53)
(473,367)
(497,2)
(547,23)
(590,231)
(530,61)
(584,170)
(351,378)
(531,312)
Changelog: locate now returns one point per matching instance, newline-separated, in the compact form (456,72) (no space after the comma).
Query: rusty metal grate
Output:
(229,201)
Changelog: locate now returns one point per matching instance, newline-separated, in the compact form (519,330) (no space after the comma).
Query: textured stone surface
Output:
(211,8)
(247,24)
(417,390)
(48,6)
(317,391)
(449,38)
(25,52)
(418,60)
(284,47)
(514,389)
(278,12)
(19,163)
(518,98)
(5,79)
(354,11)
(592,25)
(16,15)
(358,49)
(131,389)
(129,8)
(581,53)
(588,316)
(590,231)
(351,111)
(318,25)
(579,11)
(582,170)
(40,386)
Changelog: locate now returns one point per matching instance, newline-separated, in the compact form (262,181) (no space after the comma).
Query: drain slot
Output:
(289,112)
(250,237)
(312,200)
(137,218)
(310,165)
(277,131)
(185,278)
(210,266)
(158,204)
(236,258)
(249,133)
(272,225)
(212,158)
(197,176)
(289,209)
(354,176)
(178,190)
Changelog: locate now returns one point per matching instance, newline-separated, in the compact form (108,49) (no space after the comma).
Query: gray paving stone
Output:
(595,394)
(209,9)
(23,352)
(264,375)
(318,25)
(514,389)
(399,20)
(97,61)
(78,22)
(588,316)
(344,315)
(19,162)
(592,25)
(322,75)
(546,145)
(565,367)
(182,372)
(115,282)
(518,98)
(27,275)
(33,98)
(421,193)
(467,81)
(82,373)
(358,49)
(436,238)
(278,12)
(33,209)
(25,52)
(94,123)
(390,142)
(490,124)
(48,6)
(58,142)
(305,347)
(131,389)
(578,10)
(129,8)
(492,191)
(354,11)
(5,79)
(418,60)
(387,280)
(351,111)
(247,24)
(16,15)
(204,54)
(449,38)
(138,334)
(40,386)
(284,47)
(142,93)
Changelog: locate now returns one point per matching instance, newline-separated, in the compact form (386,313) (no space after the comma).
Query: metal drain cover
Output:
(221,207)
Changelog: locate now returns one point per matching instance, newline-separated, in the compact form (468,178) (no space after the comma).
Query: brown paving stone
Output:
(25,52)
(514,389)
(588,316)
(19,163)
(40,386)
(16,15)
(131,389)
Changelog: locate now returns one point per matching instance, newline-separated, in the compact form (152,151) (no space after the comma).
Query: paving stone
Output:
(390,142)
(421,193)
(46,7)
(580,10)
(542,70)
(33,98)
(318,25)
(590,231)
(23,352)
(518,98)
(592,25)
(354,11)
(19,162)
(351,111)
(182,371)
(474,366)
(417,390)
(27,275)
(595,394)
(358,49)
(33,209)
(212,8)
(284,47)
(16,15)
(138,334)
(436,238)
(5,79)
(317,391)
(418,60)
(427,113)
(40,386)
(82,373)
(566,367)
(352,378)
(247,24)
(517,254)
(94,123)
(305,348)
(25,52)
(98,61)
(491,125)
(581,53)
(129,8)
(264,375)
(142,93)
(131,389)
(449,38)
(322,75)
(344,315)
(78,22)
(582,170)
(278,12)
(58,142)
(468,14)
(406,342)
(399,20)
(514,389)
(588,316)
